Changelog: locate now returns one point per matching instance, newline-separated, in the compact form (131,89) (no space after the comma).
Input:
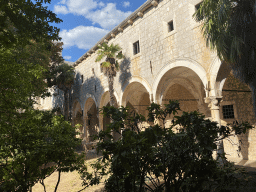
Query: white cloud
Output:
(108,17)
(101,4)
(67,57)
(81,7)
(83,37)
(60,9)
(62,2)
(77,7)
(126,4)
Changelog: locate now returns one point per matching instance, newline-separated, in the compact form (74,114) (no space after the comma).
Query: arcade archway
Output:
(137,98)
(77,118)
(105,121)
(184,85)
(91,119)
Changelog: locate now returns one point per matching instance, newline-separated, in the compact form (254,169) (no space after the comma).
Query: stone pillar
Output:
(214,105)
(84,132)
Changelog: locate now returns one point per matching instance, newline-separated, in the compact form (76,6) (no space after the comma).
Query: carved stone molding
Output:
(140,14)
(213,102)
(154,3)
(130,21)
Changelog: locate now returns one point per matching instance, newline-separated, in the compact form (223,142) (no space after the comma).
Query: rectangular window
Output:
(136,47)
(170,26)
(228,112)
(82,78)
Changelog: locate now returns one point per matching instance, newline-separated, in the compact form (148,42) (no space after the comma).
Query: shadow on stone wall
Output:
(85,88)
(125,71)
(244,145)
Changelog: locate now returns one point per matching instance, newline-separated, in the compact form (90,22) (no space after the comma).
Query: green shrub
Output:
(160,158)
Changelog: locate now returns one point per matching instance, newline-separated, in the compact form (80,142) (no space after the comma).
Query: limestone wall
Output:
(158,48)
(170,65)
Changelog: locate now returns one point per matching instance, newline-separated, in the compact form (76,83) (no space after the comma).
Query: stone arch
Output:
(104,121)
(91,96)
(192,65)
(77,117)
(137,96)
(180,81)
(139,80)
(218,72)
(189,86)
(91,119)
(103,102)
(75,106)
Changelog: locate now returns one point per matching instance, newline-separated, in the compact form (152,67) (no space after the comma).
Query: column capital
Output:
(213,101)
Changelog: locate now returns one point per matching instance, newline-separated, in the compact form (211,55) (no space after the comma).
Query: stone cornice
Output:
(119,28)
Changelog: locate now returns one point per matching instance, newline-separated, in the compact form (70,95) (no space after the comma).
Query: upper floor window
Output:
(136,47)
(82,78)
(170,26)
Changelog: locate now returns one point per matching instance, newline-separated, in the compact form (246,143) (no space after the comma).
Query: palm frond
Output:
(99,57)
(120,56)
(106,64)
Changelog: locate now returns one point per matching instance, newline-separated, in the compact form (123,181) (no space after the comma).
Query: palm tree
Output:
(110,65)
(229,27)
(64,80)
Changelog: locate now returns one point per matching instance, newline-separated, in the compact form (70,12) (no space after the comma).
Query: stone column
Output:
(214,105)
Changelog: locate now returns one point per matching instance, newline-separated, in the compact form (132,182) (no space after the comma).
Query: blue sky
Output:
(85,22)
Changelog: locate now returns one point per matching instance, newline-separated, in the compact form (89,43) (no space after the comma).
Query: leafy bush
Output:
(160,158)
(33,145)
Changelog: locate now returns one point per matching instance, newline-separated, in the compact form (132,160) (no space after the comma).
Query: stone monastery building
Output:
(165,58)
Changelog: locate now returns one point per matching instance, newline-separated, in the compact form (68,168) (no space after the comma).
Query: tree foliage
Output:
(160,158)
(23,20)
(33,144)
(64,76)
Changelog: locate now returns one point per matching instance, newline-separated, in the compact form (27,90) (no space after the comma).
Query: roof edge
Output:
(134,15)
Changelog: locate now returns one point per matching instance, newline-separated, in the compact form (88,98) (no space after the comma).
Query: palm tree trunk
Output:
(66,105)
(111,89)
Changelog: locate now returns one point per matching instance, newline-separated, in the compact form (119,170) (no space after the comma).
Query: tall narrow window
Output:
(82,78)
(136,47)
(228,112)
(101,68)
(170,26)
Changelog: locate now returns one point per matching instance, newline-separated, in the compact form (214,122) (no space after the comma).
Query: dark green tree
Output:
(23,20)
(229,27)
(64,80)
(33,143)
(160,158)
